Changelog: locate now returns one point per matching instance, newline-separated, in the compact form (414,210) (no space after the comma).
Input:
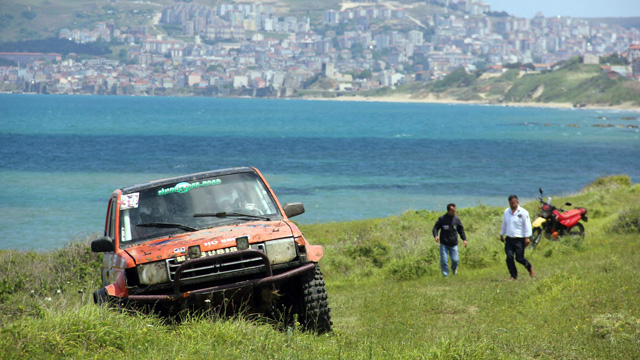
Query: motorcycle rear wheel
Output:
(576,231)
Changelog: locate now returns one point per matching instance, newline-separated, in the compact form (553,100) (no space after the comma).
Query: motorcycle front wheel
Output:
(536,235)
(576,231)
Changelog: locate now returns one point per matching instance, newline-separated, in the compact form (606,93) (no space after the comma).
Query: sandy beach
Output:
(406,98)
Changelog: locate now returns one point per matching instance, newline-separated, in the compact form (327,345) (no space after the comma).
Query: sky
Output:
(572,8)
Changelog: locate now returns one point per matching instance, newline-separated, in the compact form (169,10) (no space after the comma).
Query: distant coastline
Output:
(398,98)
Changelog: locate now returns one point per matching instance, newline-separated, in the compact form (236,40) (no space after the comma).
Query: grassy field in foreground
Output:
(387,295)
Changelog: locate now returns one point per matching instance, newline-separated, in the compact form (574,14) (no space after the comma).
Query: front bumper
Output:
(268,278)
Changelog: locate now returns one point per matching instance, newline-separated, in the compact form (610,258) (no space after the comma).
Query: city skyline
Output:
(572,8)
(237,54)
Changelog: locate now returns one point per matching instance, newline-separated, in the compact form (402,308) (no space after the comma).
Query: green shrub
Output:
(412,267)
(613,180)
(373,250)
(11,285)
(457,78)
(476,257)
(627,222)
(510,75)
(28,14)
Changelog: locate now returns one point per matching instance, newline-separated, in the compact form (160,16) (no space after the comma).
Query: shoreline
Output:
(397,99)
(449,101)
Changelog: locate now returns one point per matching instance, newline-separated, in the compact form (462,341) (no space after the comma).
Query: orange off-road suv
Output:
(207,239)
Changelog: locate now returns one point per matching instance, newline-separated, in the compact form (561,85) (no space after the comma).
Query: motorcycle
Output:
(554,222)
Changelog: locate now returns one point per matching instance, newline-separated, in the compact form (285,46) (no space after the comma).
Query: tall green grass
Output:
(388,298)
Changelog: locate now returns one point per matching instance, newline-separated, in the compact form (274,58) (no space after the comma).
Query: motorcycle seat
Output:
(569,214)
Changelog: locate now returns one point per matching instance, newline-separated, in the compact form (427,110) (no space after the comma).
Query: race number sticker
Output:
(129,201)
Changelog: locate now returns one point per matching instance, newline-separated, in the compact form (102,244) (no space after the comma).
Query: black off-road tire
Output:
(576,231)
(303,300)
(315,314)
(100,297)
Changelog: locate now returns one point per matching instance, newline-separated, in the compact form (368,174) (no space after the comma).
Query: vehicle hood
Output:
(208,239)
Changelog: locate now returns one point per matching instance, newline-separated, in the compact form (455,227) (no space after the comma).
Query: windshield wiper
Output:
(224,214)
(168,225)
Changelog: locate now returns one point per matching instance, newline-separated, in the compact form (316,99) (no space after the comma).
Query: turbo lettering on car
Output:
(220,251)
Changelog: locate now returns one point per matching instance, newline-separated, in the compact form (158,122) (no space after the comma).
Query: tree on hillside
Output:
(5,20)
(364,74)
(614,59)
(28,14)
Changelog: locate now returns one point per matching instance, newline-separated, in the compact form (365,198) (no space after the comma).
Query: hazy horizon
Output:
(571,8)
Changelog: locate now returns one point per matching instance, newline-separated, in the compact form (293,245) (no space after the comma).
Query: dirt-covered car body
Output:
(182,241)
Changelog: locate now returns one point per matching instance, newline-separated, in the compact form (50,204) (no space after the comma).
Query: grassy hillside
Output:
(572,82)
(387,296)
(628,22)
(34,19)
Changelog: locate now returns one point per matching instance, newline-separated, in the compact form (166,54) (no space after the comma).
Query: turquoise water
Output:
(62,156)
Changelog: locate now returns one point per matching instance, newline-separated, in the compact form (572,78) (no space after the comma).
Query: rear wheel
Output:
(576,231)
(536,235)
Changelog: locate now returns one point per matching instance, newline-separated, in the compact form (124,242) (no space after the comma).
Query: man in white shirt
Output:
(516,225)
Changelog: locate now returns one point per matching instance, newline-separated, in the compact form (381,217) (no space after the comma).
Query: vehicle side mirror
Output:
(103,244)
(293,209)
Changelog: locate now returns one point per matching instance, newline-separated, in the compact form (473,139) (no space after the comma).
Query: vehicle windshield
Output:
(170,209)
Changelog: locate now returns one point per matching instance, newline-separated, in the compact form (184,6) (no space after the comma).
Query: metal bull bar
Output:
(269,278)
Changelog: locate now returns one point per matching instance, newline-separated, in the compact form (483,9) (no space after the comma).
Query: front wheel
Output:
(576,231)
(536,235)
(315,314)
(304,298)
(100,297)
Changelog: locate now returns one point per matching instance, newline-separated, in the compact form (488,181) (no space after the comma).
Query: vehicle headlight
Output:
(153,273)
(281,251)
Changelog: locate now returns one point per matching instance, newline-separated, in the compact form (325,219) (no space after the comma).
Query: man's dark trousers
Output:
(515,246)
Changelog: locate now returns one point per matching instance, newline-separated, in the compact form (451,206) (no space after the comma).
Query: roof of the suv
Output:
(190,177)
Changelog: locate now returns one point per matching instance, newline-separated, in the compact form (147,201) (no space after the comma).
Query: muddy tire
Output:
(303,302)
(100,297)
(315,314)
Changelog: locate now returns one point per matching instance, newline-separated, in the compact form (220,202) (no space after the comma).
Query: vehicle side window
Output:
(111,230)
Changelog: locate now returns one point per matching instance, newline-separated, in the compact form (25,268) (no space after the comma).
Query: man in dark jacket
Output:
(449,226)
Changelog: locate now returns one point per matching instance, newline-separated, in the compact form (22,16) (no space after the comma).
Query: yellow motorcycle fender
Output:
(538,222)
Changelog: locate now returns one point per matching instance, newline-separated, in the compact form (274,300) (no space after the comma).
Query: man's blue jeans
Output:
(447,252)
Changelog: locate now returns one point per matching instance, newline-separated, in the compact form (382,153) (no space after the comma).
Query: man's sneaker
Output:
(512,279)
(455,271)
(531,271)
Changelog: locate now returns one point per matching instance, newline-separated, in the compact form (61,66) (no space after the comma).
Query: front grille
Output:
(216,267)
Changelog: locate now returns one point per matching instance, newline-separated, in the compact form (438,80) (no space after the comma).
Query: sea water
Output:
(62,156)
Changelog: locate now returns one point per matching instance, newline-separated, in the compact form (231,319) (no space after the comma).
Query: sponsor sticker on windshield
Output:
(129,201)
(184,186)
